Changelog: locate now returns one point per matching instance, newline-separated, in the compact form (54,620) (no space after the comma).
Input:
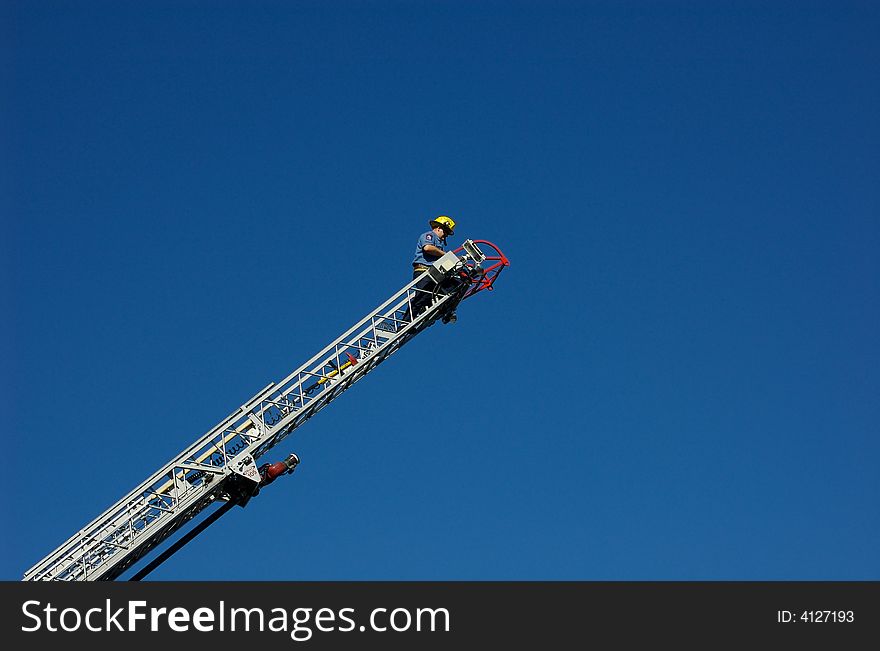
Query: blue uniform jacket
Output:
(428,238)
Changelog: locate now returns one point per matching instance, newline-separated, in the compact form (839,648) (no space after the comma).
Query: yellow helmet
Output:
(443,222)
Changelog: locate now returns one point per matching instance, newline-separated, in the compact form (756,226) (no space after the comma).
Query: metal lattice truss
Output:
(206,470)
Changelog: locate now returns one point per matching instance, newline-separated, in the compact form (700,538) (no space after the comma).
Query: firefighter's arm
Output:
(432,250)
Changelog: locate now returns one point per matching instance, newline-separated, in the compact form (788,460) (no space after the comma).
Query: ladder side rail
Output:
(134,507)
(283,428)
(260,446)
(165,523)
(287,399)
(112,567)
(396,340)
(366,340)
(142,490)
(143,493)
(377,312)
(153,536)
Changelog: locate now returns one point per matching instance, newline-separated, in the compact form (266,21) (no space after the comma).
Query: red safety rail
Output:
(492,267)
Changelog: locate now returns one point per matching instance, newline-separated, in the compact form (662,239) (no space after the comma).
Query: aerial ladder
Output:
(221,466)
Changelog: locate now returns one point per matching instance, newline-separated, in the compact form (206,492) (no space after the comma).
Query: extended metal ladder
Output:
(221,465)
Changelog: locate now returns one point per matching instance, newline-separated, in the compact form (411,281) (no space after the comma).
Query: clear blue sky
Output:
(677,378)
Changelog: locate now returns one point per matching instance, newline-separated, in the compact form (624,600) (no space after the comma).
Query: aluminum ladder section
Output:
(198,476)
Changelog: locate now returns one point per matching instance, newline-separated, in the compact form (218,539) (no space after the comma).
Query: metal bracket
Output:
(473,251)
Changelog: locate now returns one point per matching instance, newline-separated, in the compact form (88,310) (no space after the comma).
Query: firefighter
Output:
(431,246)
